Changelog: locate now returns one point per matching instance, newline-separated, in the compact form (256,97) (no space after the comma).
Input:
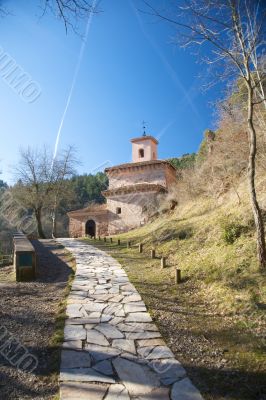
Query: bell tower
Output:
(144,148)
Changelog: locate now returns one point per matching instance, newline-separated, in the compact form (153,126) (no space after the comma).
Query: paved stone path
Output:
(112,350)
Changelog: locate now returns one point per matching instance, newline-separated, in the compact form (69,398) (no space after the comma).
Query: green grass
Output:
(223,293)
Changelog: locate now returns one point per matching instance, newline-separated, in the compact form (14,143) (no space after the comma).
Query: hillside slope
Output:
(214,321)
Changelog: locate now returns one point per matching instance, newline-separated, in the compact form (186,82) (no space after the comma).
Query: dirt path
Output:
(28,311)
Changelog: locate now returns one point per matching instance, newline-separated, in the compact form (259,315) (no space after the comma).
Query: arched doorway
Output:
(90,228)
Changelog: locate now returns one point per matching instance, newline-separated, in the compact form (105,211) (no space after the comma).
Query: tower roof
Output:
(144,139)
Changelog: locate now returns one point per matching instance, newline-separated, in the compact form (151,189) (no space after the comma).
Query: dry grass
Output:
(215,320)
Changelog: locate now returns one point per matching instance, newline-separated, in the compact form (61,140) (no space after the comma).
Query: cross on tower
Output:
(144,128)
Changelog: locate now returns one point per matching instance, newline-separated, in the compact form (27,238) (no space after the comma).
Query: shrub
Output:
(231,232)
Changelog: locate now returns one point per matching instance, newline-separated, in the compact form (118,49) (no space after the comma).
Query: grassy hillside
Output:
(214,321)
(213,243)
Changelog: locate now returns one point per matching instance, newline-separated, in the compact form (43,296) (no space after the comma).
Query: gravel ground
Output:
(28,311)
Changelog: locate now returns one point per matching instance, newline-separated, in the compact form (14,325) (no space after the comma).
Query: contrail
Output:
(80,57)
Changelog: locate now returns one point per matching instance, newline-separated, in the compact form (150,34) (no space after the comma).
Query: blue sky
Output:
(130,72)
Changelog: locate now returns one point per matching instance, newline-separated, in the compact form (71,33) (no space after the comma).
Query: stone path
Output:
(112,350)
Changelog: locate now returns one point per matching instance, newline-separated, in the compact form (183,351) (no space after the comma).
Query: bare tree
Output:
(69,11)
(40,181)
(64,168)
(234,31)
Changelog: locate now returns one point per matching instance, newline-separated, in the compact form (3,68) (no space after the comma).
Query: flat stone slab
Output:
(100,353)
(125,345)
(138,379)
(110,331)
(112,350)
(104,367)
(75,359)
(76,332)
(185,390)
(84,375)
(82,391)
(117,392)
(96,337)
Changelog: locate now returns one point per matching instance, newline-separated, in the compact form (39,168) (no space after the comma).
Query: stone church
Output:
(133,190)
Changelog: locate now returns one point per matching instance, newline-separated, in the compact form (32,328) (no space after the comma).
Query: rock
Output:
(74,332)
(143,335)
(131,307)
(116,320)
(106,318)
(104,367)
(126,345)
(161,393)
(110,331)
(93,306)
(84,375)
(95,337)
(160,352)
(89,326)
(72,344)
(82,391)
(185,390)
(138,317)
(138,379)
(150,342)
(132,298)
(73,311)
(117,392)
(77,321)
(75,359)
(116,299)
(169,370)
(100,353)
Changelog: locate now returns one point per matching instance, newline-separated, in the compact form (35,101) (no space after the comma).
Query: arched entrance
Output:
(90,228)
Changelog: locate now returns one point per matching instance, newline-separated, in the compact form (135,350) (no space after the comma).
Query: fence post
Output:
(104,239)
(111,240)
(177,275)
(153,253)
(99,237)
(163,262)
(118,242)
(128,244)
(141,247)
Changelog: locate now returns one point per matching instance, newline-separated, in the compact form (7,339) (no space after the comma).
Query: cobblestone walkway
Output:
(112,350)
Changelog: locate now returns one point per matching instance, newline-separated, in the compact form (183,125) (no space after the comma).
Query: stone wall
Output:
(77,225)
(154,173)
(133,211)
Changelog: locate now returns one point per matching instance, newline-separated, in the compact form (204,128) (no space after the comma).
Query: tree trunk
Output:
(54,218)
(54,224)
(38,216)
(261,249)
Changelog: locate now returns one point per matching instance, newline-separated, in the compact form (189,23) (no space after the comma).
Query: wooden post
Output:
(163,262)
(99,237)
(177,276)
(104,239)
(111,240)
(128,244)
(118,242)
(140,247)
(153,253)
(94,237)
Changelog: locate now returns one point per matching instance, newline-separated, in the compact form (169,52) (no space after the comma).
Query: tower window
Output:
(141,153)
(118,210)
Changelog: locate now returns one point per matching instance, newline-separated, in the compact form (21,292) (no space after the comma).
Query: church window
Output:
(141,153)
